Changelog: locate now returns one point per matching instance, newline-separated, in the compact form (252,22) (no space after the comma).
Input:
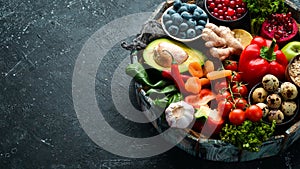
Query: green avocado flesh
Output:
(194,55)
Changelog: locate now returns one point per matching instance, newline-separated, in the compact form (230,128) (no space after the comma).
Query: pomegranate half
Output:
(282,27)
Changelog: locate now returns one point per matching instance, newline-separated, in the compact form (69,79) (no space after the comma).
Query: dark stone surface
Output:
(39,43)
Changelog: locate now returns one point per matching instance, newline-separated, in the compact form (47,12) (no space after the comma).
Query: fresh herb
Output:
(168,99)
(248,136)
(260,10)
(138,72)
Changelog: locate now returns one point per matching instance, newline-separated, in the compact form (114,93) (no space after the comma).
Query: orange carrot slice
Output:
(195,69)
(218,74)
(204,81)
(193,85)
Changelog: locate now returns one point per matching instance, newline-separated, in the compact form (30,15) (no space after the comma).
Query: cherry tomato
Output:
(220,85)
(240,103)
(254,113)
(230,65)
(237,116)
(225,107)
(225,95)
(239,90)
(235,77)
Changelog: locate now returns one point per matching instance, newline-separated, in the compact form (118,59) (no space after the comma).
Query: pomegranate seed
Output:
(212,5)
(230,11)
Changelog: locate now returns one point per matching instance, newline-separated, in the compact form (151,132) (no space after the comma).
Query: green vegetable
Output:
(138,72)
(260,10)
(165,90)
(248,136)
(168,99)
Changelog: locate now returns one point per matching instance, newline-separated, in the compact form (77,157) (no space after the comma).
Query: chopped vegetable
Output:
(218,74)
(201,99)
(195,69)
(193,85)
(248,136)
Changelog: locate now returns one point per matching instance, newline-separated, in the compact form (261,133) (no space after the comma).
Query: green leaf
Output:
(138,72)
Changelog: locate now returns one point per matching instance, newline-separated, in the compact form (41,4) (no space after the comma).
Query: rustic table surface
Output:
(40,43)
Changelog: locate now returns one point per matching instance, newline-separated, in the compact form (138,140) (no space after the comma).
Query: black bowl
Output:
(240,23)
(287,119)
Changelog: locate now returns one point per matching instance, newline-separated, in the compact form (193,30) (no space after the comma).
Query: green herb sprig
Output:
(248,136)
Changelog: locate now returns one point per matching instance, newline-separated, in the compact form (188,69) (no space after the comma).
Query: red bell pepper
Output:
(259,58)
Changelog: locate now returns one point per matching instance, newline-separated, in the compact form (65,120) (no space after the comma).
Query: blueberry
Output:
(186,15)
(183,26)
(201,22)
(199,10)
(182,35)
(199,29)
(168,23)
(191,22)
(182,9)
(177,4)
(190,33)
(166,17)
(177,19)
(196,15)
(192,7)
(173,30)
(171,11)
(203,16)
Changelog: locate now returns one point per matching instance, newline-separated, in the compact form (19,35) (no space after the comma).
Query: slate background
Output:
(39,43)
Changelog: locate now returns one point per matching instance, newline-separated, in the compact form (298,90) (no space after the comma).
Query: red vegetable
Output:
(239,90)
(167,74)
(201,99)
(254,113)
(230,65)
(224,107)
(237,116)
(176,75)
(259,58)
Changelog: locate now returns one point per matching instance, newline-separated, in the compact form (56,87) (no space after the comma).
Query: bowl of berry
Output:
(231,13)
(183,21)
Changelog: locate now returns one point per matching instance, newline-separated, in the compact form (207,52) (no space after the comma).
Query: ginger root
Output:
(221,41)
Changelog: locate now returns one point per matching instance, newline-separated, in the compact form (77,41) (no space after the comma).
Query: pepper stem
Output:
(268,52)
(271,48)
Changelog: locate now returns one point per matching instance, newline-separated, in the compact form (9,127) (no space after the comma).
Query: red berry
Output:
(230,12)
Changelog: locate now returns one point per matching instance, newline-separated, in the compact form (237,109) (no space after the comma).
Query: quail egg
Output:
(288,90)
(288,108)
(274,101)
(259,95)
(270,83)
(276,115)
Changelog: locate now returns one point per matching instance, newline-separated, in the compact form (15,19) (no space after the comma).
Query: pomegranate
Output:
(282,27)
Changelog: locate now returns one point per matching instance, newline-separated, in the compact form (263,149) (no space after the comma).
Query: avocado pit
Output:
(164,59)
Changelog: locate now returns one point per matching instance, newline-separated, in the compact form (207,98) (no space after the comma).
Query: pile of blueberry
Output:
(184,21)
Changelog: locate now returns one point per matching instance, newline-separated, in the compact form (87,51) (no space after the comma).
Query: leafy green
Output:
(248,136)
(259,10)
(168,99)
(138,72)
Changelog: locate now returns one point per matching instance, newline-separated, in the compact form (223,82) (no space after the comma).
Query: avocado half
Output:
(194,55)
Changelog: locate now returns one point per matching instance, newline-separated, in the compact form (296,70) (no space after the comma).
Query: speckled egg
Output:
(259,95)
(270,83)
(274,101)
(264,107)
(276,115)
(288,108)
(288,90)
